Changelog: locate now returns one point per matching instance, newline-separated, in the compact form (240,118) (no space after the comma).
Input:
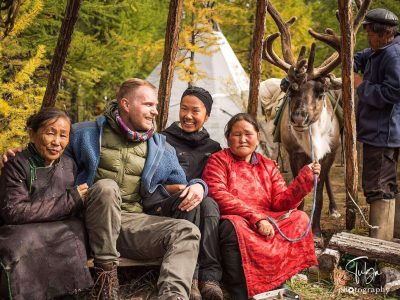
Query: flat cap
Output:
(381,16)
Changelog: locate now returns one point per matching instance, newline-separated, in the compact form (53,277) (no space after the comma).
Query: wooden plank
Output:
(60,53)
(347,53)
(357,245)
(256,54)
(168,62)
(127,262)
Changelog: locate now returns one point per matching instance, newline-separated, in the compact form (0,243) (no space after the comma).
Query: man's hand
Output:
(193,195)
(357,80)
(82,190)
(315,167)
(9,153)
(265,228)
(174,188)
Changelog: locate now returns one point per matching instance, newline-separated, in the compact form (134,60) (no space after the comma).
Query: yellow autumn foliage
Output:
(195,38)
(21,96)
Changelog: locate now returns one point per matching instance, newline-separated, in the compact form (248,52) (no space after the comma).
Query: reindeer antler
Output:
(283,27)
(334,41)
(329,38)
(270,55)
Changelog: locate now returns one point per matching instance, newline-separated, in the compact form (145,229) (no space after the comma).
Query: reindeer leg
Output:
(333,211)
(297,161)
(316,226)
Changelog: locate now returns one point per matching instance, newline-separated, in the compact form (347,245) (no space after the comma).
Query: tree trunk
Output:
(60,53)
(328,260)
(167,69)
(193,42)
(73,114)
(255,70)
(347,53)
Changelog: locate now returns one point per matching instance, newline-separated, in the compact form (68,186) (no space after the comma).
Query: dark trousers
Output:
(206,217)
(233,274)
(379,178)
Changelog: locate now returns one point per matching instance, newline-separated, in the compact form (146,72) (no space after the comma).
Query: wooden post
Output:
(256,53)
(168,64)
(347,48)
(60,53)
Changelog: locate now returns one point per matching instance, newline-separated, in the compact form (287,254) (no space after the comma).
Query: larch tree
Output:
(21,90)
(196,37)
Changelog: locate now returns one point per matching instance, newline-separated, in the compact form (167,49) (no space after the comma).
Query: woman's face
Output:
(192,114)
(243,140)
(51,139)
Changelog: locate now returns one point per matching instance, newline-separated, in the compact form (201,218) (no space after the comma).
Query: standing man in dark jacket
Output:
(378,119)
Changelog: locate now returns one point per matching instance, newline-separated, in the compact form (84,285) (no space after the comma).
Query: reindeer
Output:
(309,107)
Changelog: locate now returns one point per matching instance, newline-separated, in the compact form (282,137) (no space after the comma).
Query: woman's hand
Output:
(174,188)
(265,228)
(82,190)
(9,154)
(193,195)
(315,167)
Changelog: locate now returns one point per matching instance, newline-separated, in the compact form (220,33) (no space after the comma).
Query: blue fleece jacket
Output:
(161,166)
(378,113)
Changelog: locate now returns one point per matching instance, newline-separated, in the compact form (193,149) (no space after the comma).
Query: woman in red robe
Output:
(248,187)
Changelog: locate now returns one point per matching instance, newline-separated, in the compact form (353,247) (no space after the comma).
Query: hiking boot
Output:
(381,214)
(210,290)
(194,291)
(106,285)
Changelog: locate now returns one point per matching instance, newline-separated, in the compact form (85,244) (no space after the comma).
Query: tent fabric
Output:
(226,81)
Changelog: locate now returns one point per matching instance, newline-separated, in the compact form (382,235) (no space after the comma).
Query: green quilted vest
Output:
(122,161)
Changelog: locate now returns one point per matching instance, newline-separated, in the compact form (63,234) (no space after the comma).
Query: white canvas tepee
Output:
(226,81)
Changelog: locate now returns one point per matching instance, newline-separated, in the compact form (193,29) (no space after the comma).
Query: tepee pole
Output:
(168,63)
(60,53)
(347,53)
(256,53)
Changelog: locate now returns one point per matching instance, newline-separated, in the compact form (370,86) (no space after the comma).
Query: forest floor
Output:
(140,283)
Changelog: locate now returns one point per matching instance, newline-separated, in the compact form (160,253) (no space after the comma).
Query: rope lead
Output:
(273,222)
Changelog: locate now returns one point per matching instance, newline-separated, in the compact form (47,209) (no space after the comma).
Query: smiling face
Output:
(139,109)
(243,140)
(192,114)
(51,139)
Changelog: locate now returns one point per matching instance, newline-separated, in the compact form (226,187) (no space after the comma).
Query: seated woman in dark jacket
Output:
(42,244)
(193,146)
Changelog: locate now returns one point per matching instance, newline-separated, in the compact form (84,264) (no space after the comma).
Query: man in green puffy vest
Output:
(123,160)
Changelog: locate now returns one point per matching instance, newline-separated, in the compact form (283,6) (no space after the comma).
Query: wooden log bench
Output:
(348,243)
(357,245)
(127,262)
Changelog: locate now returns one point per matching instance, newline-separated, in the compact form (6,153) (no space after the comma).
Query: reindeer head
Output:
(306,85)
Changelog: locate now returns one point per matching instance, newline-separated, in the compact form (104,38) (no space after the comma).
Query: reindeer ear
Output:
(336,83)
(330,82)
(325,83)
(285,84)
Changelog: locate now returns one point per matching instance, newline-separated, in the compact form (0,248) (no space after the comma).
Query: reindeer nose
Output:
(300,118)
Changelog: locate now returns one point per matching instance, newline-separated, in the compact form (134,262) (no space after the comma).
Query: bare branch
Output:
(360,15)
(358,3)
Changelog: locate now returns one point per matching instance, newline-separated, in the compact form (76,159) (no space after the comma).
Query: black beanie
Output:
(203,95)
